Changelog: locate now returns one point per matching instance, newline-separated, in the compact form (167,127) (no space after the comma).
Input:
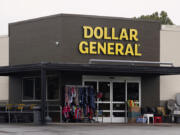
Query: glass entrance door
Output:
(122,92)
(104,103)
(118,102)
(115,94)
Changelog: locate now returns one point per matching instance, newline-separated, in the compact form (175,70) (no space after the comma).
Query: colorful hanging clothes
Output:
(81,100)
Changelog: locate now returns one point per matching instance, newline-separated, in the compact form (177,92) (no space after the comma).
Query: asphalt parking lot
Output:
(90,129)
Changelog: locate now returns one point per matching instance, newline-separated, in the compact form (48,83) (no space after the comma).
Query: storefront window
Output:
(32,88)
(104,88)
(28,88)
(133,91)
(53,88)
(119,92)
(37,88)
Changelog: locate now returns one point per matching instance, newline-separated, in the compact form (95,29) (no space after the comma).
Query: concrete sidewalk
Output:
(90,129)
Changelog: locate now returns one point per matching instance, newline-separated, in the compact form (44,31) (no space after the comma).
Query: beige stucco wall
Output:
(4,61)
(170,52)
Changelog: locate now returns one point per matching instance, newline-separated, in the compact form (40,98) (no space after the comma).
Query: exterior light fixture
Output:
(57,43)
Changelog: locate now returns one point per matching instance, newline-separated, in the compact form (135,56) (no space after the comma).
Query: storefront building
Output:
(118,57)
(4,61)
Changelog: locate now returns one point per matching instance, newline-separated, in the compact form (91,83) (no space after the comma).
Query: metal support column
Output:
(43,95)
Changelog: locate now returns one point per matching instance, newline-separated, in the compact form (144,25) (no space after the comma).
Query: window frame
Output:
(37,100)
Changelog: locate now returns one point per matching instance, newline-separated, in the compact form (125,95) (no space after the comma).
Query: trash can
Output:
(36,115)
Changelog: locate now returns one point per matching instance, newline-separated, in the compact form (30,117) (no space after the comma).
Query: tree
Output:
(162,17)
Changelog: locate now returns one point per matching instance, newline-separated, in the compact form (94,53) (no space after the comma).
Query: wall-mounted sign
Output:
(106,41)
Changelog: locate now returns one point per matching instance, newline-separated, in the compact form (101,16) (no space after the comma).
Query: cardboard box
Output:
(131,120)
(134,109)
(161,110)
(134,114)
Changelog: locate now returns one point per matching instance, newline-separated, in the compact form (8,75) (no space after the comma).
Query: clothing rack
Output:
(80,86)
(79,102)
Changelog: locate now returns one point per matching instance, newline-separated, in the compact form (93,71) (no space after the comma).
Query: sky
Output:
(19,10)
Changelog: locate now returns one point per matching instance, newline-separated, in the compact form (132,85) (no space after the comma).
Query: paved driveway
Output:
(90,129)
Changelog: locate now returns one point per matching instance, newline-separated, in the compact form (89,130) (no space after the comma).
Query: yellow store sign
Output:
(111,44)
